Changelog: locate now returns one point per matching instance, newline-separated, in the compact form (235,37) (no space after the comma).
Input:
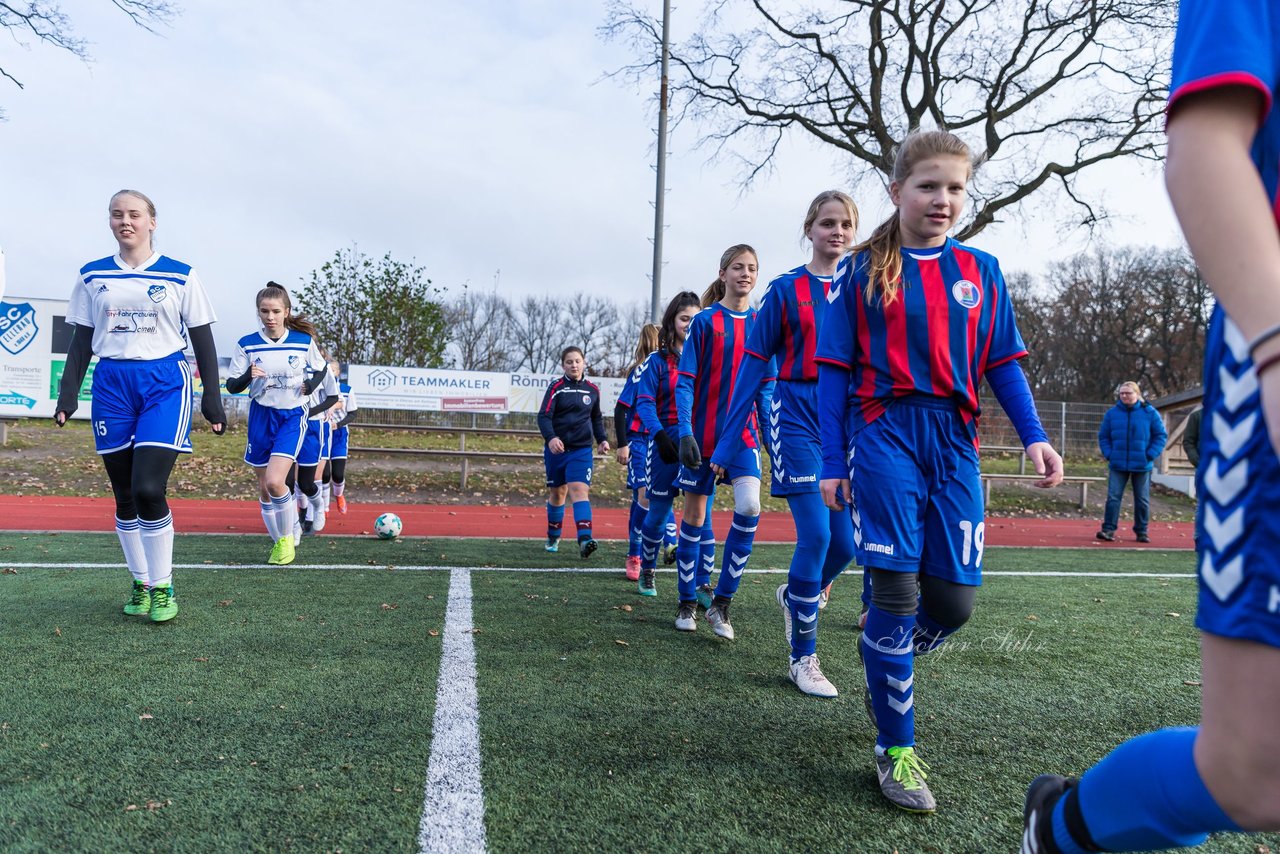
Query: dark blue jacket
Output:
(1131,437)
(571,410)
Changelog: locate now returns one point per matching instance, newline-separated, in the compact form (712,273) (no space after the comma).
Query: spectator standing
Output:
(1131,437)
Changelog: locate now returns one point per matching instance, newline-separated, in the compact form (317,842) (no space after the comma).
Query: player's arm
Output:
(1009,385)
(545,412)
(745,384)
(239,372)
(330,386)
(351,410)
(1226,216)
(764,402)
(79,354)
(597,424)
(833,395)
(620,417)
(207,364)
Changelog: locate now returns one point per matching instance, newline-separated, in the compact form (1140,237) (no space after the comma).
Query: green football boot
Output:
(282,552)
(164,605)
(139,604)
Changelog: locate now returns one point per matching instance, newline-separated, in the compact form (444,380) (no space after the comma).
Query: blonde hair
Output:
(811,216)
(716,290)
(884,246)
(646,344)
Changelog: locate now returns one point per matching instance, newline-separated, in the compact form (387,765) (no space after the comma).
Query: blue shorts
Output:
(314,444)
(1238,483)
(703,481)
(636,462)
(142,403)
(573,465)
(660,476)
(338,446)
(795,443)
(917,492)
(274,433)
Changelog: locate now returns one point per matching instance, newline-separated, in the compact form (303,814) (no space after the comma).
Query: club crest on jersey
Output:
(966,293)
(157,293)
(586,400)
(294,361)
(17,326)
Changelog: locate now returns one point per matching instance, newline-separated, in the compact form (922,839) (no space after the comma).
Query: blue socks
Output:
(1145,795)
(806,575)
(688,557)
(634,524)
(887,656)
(707,549)
(582,517)
(555,520)
(651,531)
(737,550)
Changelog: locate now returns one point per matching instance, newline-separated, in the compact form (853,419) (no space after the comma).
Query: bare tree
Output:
(1049,88)
(1115,314)
(46,22)
(478,324)
(538,333)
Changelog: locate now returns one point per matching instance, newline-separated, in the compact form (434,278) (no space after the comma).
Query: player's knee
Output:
(947,603)
(894,592)
(746,496)
(149,499)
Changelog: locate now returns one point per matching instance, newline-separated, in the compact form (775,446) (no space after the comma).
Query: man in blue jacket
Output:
(1131,438)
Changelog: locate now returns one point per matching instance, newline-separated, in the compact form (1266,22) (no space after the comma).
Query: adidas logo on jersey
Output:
(102,289)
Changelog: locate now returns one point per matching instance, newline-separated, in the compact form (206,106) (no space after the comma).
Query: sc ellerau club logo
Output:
(17,326)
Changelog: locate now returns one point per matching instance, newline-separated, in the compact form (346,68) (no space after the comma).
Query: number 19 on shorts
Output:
(973,544)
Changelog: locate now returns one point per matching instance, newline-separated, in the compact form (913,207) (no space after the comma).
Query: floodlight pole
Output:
(655,308)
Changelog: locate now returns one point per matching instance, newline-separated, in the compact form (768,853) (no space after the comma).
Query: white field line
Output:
(568,570)
(453,805)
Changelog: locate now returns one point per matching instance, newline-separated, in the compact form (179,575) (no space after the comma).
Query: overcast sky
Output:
(472,137)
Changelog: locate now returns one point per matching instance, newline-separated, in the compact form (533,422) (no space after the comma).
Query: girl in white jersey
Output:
(339,418)
(281,366)
(136,311)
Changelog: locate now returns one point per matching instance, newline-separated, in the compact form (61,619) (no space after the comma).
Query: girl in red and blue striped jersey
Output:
(786,329)
(657,411)
(136,311)
(916,322)
(708,368)
(569,420)
(633,443)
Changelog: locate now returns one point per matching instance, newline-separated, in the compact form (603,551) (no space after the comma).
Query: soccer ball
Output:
(387,526)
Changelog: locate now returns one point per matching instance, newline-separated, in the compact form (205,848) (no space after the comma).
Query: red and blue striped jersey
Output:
(788,322)
(656,391)
(1234,43)
(713,349)
(951,321)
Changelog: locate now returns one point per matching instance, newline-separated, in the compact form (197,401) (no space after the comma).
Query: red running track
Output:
(57,513)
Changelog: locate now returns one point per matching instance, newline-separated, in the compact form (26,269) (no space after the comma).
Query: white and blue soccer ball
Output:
(387,526)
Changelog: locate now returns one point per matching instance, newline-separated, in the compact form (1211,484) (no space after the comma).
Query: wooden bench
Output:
(1082,480)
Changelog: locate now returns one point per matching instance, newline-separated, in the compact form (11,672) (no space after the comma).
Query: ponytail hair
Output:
(647,343)
(298,322)
(668,338)
(884,246)
(716,290)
